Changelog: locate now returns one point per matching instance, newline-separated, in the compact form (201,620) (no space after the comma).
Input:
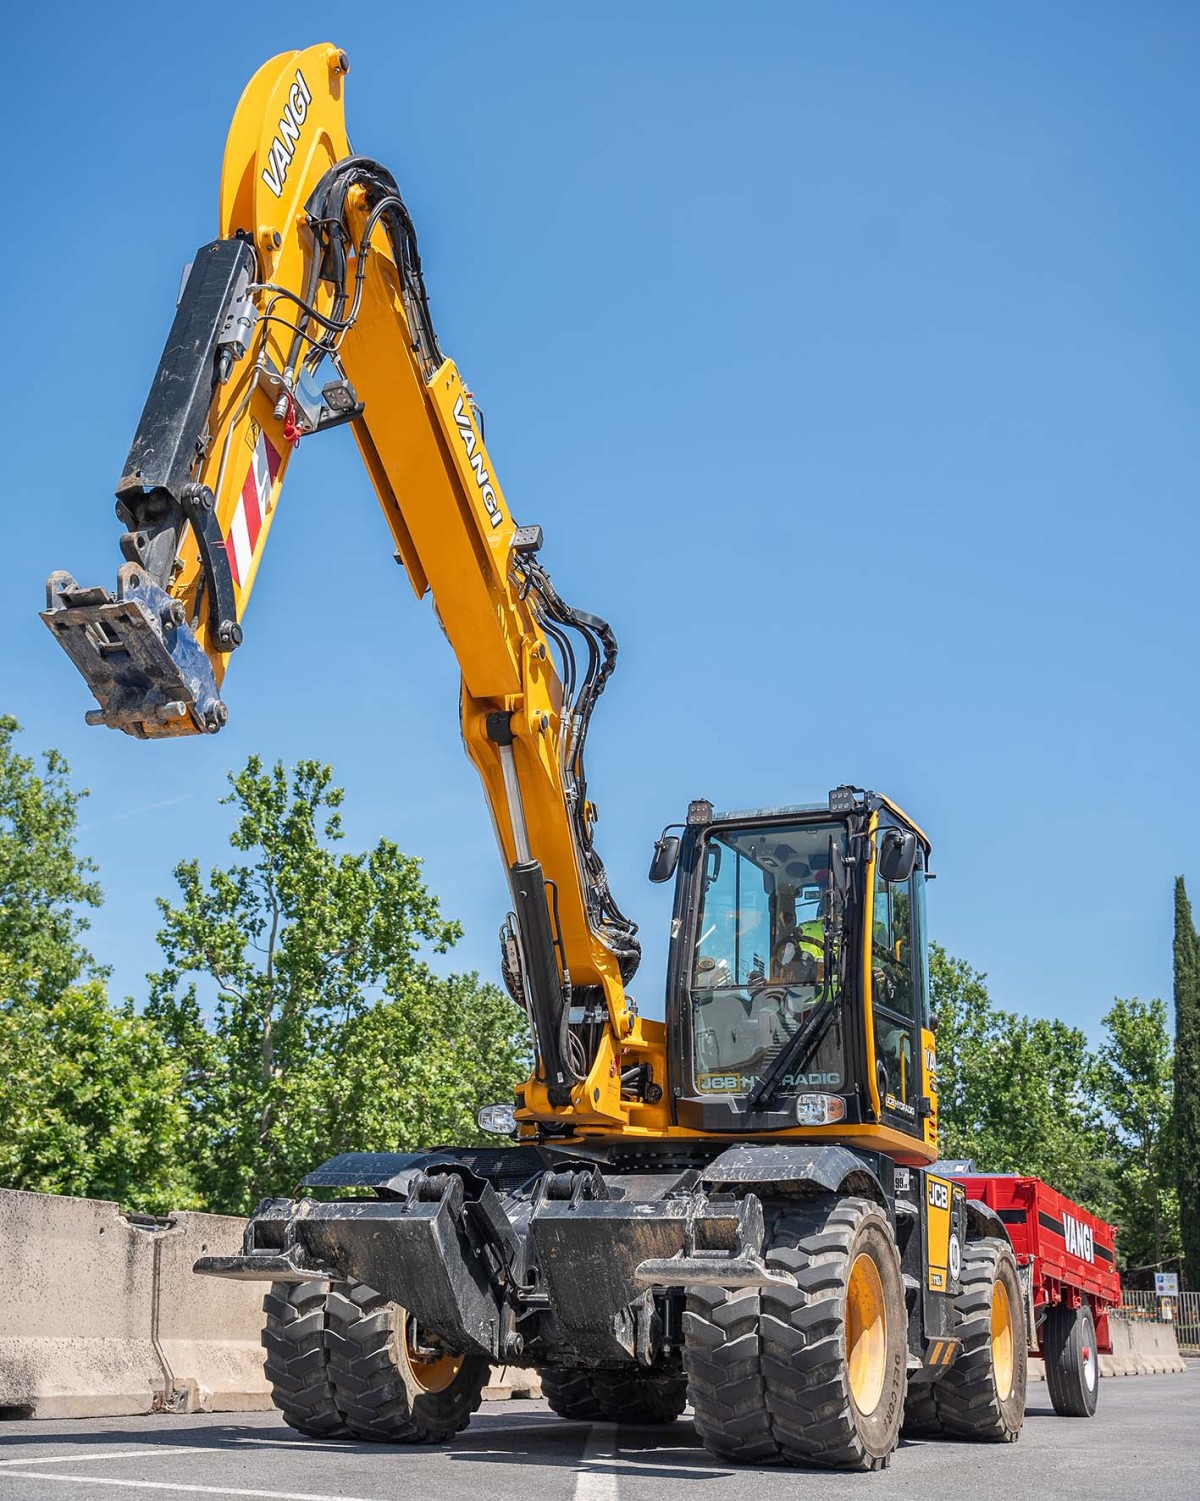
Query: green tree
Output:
(43,880)
(1014,1092)
(1187,1082)
(328,1031)
(1133,1080)
(88,1094)
(90,1102)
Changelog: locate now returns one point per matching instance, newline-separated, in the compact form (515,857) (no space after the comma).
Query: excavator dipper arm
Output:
(308,312)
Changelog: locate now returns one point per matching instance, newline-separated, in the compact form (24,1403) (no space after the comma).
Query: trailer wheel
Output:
(982,1395)
(724,1374)
(1072,1361)
(635,1397)
(570,1394)
(835,1347)
(390,1383)
(297,1362)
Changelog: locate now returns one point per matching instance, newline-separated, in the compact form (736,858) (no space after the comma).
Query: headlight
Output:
(498,1120)
(819,1109)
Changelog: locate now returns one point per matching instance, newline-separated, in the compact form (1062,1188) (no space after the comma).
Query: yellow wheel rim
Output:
(1002,1340)
(866,1334)
(429,1372)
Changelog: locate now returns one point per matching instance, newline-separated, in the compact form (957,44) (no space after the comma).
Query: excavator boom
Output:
(308,312)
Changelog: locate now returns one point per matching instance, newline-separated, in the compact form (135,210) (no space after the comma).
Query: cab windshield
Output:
(762,952)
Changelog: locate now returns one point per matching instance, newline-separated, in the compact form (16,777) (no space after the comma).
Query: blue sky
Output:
(847,355)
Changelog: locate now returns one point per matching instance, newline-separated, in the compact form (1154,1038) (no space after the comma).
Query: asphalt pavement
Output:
(1143,1445)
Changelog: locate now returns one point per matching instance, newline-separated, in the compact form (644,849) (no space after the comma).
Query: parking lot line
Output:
(597,1467)
(166,1485)
(63,1459)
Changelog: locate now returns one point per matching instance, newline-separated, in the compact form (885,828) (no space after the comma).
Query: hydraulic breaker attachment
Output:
(138,655)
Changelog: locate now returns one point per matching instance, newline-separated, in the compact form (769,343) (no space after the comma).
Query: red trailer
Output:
(1068,1265)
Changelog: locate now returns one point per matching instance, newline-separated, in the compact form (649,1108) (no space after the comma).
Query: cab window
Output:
(895,987)
(759,960)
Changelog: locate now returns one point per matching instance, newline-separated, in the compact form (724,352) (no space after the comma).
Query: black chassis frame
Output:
(578,1254)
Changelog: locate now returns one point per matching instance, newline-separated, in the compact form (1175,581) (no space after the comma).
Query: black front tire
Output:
(382,1391)
(770,1374)
(297,1364)
(1072,1361)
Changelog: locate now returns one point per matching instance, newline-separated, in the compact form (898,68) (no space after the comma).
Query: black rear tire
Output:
(1072,1361)
(297,1361)
(570,1394)
(384,1392)
(635,1397)
(921,1418)
(982,1395)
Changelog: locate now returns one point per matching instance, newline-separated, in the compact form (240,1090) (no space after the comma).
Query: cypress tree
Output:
(1187,1082)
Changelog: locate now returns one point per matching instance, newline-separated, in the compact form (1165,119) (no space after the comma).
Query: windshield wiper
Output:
(795,1053)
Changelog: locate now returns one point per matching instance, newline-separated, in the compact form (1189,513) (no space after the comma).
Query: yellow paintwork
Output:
(1003,1362)
(423,450)
(939,1200)
(866,1333)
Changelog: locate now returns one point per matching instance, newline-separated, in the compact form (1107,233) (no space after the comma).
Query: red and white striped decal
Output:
(253,505)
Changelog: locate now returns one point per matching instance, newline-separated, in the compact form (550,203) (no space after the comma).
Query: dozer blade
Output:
(137,654)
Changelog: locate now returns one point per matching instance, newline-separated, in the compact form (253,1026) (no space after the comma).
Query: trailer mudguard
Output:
(983,1223)
(800,1168)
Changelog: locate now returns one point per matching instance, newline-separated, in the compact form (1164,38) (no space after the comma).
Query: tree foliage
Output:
(1014,1092)
(88,1093)
(43,880)
(1187,1082)
(1133,1084)
(90,1103)
(328,1032)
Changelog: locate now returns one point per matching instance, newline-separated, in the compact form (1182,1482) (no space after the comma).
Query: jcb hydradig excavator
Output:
(732,1208)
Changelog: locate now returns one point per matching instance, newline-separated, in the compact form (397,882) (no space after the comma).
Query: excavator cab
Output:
(797,975)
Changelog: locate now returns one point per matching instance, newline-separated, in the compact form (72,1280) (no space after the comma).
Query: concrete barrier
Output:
(77,1340)
(208,1332)
(507,1381)
(1141,1348)
(105,1318)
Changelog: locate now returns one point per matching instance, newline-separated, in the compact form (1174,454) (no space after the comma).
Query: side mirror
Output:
(897,854)
(666,858)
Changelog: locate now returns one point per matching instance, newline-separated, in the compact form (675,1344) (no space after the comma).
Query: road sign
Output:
(1166,1284)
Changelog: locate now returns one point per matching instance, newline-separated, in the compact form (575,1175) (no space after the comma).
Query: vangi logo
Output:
(283,147)
(466,431)
(1080,1238)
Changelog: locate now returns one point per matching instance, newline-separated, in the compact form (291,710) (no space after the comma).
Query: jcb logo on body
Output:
(939,1194)
(283,147)
(1080,1238)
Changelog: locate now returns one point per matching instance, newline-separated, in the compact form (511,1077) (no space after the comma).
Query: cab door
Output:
(898,995)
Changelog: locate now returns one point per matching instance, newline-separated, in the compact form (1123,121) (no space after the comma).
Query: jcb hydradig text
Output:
(733,1207)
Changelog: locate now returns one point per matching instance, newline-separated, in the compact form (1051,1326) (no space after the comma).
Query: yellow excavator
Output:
(734,1207)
